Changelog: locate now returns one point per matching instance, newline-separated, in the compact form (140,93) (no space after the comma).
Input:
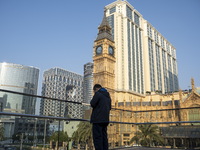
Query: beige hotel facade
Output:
(142,60)
(138,66)
(145,60)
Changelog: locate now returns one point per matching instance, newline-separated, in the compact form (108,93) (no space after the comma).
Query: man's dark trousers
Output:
(100,136)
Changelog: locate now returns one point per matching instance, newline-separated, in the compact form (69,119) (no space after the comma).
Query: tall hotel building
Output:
(88,83)
(65,85)
(18,78)
(145,60)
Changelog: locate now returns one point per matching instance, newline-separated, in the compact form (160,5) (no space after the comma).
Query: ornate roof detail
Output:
(104,30)
(194,98)
(105,22)
(192,83)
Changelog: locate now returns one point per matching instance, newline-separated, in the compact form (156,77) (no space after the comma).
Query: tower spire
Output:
(192,83)
(104,29)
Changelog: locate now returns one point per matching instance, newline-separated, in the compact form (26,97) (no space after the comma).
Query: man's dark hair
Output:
(97,86)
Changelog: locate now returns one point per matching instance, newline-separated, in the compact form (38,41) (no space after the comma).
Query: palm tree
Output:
(75,138)
(83,133)
(148,135)
(63,137)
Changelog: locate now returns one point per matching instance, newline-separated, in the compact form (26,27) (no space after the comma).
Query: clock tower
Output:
(104,58)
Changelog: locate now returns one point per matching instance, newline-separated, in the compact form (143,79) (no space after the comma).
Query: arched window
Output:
(193,114)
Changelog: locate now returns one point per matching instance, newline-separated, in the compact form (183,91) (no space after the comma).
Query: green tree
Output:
(148,135)
(17,136)
(63,136)
(76,137)
(83,134)
(1,133)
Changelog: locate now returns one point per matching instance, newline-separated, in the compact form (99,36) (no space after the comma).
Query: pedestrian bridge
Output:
(128,129)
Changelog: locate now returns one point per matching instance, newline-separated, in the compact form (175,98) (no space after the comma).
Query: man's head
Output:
(97,87)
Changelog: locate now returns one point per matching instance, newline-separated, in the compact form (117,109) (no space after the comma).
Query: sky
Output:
(61,33)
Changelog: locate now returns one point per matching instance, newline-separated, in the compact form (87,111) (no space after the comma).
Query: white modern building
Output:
(145,60)
(63,85)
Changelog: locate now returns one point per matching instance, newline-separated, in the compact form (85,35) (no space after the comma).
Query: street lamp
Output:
(68,88)
(22,136)
(45,123)
(35,133)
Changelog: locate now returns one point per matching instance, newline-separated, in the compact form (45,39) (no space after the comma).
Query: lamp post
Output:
(59,127)
(22,136)
(45,123)
(68,88)
(35,133)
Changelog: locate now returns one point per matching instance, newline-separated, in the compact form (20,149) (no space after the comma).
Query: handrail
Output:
(61,100)
(85,104)
(156,109)
(73,119)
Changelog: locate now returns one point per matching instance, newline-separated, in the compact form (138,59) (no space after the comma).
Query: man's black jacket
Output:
(101,104)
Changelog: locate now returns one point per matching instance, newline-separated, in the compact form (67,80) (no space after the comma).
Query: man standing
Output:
(101,104)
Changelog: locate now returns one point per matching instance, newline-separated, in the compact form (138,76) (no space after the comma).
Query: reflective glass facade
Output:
(88,83)
(19,78)
(164,76)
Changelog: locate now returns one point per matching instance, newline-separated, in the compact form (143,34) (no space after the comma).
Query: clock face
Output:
(111,50)
(99,50)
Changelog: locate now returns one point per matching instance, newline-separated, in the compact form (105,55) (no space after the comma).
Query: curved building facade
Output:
(88,83)
(19,78)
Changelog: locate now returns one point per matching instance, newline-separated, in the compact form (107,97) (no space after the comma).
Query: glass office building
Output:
(18,78)
(88,83)
(22,79)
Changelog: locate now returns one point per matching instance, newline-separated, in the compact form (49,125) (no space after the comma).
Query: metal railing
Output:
(178,127)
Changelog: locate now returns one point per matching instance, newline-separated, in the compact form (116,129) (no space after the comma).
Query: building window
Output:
(165,71)
(194,114)
(137,19)
(112,10)
(111,23)
(129,55)
(159,76)
(151,62)
(149,31)
(129,12)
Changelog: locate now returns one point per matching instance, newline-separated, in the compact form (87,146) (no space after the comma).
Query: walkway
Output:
(145,148)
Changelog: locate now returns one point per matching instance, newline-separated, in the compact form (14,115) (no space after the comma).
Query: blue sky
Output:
(60,33)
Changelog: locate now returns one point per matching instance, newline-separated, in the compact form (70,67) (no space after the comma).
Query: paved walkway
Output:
(144,148)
